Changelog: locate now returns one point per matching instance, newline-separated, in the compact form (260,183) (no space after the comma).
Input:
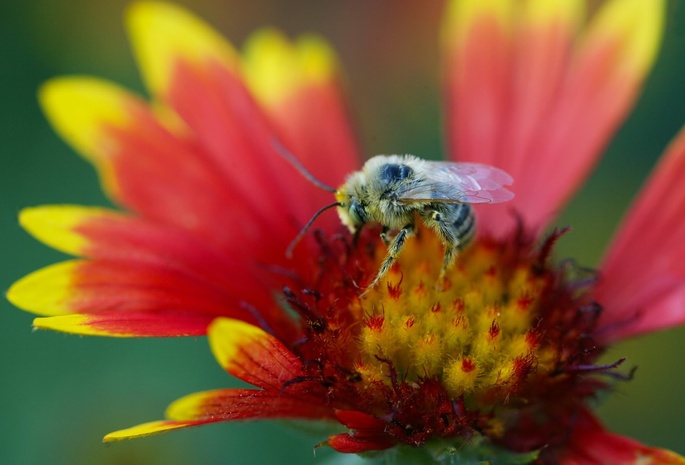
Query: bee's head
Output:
(351,209)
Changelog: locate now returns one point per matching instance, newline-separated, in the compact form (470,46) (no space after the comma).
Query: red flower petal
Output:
(368,433)
(252,355)
(159,174)
(224,405)
(128,324)
(357,443)
(242,404)
(116,291)
(201,82)
(359,420)
(197,76)
(643,275)
(298,84)
(591,444)
(478,44)
(109,235)
(142,267)
(527,96)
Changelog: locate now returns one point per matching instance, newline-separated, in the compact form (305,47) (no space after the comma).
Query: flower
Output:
(498,359)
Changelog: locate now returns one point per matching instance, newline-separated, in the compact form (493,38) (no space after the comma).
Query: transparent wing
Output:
(458,182)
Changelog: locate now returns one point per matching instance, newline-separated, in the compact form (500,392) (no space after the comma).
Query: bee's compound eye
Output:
(357,213)
(392,172)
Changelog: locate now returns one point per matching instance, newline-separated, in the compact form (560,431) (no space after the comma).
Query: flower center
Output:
(503,340)
(475,331)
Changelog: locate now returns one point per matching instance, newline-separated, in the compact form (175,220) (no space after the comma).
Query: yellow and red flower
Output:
(501,356)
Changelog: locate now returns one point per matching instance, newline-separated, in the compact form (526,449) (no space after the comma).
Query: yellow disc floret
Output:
(474,331)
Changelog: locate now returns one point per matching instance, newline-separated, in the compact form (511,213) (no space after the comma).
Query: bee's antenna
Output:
(300,167)
(303,231)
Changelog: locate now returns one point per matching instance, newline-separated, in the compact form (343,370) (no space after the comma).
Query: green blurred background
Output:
(60,394)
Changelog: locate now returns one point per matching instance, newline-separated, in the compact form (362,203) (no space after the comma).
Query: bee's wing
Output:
(458,182)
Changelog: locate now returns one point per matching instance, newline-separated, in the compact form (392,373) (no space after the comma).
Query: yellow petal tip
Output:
(163,33)
(55,225)
(80,109)
(318,60)
(462,15)
(277,68)
(187,407)
(635,26)
(76,324)
(541,13)
(227,336)
(45,291)
(145,429)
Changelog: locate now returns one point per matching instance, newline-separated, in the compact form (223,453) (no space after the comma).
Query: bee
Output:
(395,191)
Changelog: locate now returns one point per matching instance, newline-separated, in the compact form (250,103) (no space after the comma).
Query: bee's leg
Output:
(451,252)
(454,225)
(393,252)
(441,226)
